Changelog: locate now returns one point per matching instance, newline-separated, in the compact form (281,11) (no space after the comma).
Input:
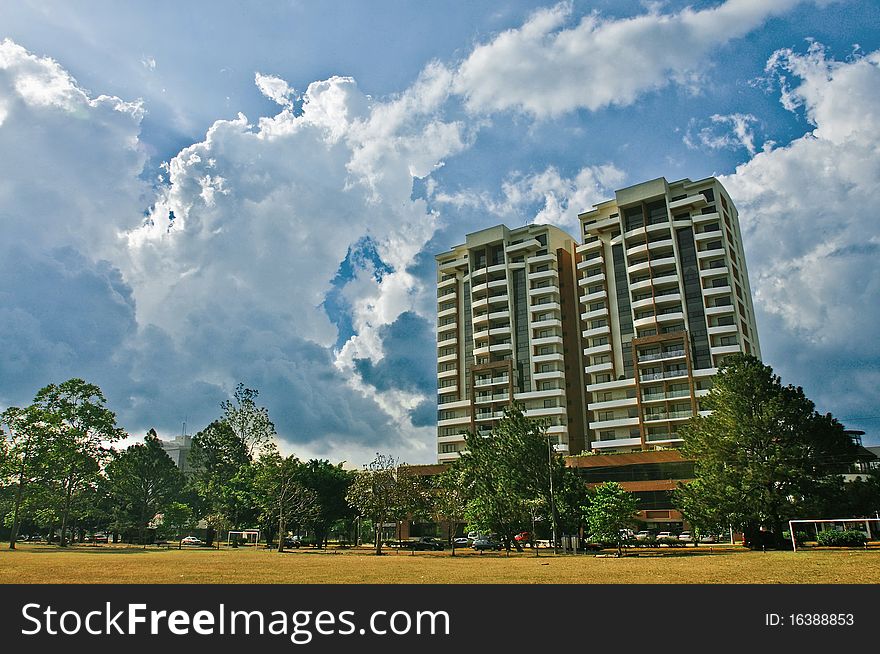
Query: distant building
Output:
(178,449)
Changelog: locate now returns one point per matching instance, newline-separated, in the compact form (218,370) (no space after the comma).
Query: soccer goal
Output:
(811,528)
(249,536)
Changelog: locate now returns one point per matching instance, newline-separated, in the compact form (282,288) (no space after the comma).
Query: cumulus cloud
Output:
(549,66)
(736,132)
(225,277)
(816,289)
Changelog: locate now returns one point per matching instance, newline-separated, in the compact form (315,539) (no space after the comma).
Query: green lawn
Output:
(114,564)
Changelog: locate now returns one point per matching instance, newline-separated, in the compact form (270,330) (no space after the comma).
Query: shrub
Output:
(848,538)
(671,542)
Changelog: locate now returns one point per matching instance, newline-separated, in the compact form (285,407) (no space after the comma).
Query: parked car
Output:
(708,538)
(486,544)
(666,534)
(462,541)
(36,538)
(523,537)
(429,544)
(686,537)
(191,540)
(627,534)
(292,541)
(100,537)
(644,535)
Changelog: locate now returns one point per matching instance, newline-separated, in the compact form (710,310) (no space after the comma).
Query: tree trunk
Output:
(378,538)
(281,533)
(66,512)
(16,518)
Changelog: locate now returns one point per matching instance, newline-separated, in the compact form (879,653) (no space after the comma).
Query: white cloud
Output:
(738,133)
(811,230)
(547,67)
(560,198)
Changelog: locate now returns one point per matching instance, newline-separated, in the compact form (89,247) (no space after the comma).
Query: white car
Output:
(666,534)
(686,537)
(643,535)
(192,540)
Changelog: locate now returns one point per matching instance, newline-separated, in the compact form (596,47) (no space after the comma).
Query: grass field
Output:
(112,564)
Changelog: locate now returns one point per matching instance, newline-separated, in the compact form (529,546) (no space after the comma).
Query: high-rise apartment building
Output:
(508,329)
(665,297)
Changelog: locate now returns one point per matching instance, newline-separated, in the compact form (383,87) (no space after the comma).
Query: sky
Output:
(194,195)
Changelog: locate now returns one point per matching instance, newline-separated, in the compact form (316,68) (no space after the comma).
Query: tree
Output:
(330,483)
(143,481)
(26,437)
(763,456)
(85,427)
(177,518)
(249,423)
(280,493)
(222,475)
(450,499)
(611,511)
(375,493)
(507,471)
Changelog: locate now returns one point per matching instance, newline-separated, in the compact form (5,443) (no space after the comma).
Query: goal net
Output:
(243,537)
(833,532)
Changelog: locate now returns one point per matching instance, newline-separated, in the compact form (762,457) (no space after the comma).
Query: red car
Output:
(523,537)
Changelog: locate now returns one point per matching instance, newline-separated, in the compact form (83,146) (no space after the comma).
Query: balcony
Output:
(529,244)
(498,299)
(545,411)
(544,290)
(488,415)
(668,374)
(595,244)
(596,331)
(612,404)
(713,272)
(622,421)
(500,347)
(595,313)
(639,248)
(449,340)
(697,201)
(713,252)
(448,327)
(597,349)
(497,283)
(446,283)
(544,274)
(547,358)
(660,356)
(453,265)
(504,314)
(592,279)
(494,381)
(669,316)
(644,322)
(450,422)
(540,395)
(447,312)
(723,329)
(545,376)
(665,261)
(719,350)
(540,258)
(486,399)
(547,340)
(705,217)
(550,322)
(447,358)
(717,290)
(599,367)
(718,311)
(544,306)
(615,442)
(597,295)
(443,374)
(662,243)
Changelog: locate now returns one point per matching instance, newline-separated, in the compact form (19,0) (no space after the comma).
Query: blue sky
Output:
(316,158)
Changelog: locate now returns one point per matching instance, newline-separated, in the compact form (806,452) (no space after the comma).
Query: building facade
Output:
(178,449)
(508,330)
(665,296)
(614,340)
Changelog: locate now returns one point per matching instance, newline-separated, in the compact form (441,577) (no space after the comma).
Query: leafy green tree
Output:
(507,471)
(282,497)
(249,423)
(177,518)
(763,456)
(611,511)
(222,474)
(143,481)
(450,500)
(375,494)
(85,428)
(330,483)
(26,437)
